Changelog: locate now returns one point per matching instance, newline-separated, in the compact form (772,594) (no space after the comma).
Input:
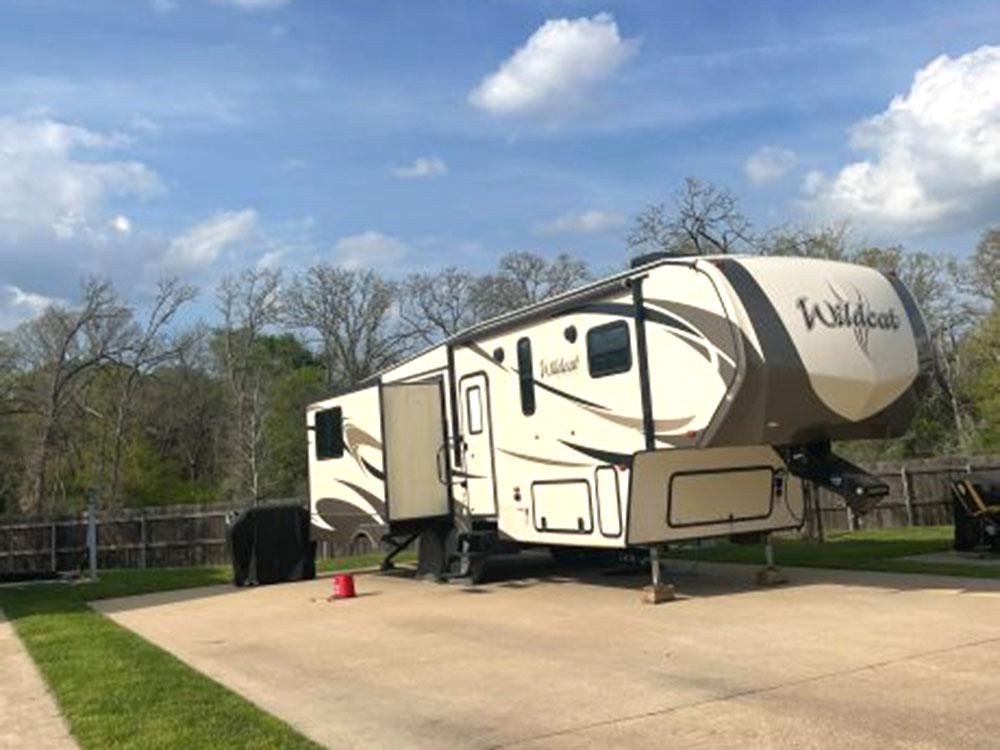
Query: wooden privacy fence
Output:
(169,536)
(920,495)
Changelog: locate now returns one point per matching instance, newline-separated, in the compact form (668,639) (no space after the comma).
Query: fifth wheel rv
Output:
(685,398)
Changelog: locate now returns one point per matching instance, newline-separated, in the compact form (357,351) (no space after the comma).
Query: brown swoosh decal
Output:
(537,460)
(355,436)
(374,500)
(660,425)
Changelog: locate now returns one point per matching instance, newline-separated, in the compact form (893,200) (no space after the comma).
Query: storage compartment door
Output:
(706,492)
(414,439)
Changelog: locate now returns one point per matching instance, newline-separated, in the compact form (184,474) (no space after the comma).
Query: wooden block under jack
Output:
(658,593)
(770,576)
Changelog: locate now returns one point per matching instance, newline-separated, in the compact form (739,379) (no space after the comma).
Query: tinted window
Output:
(474,409)
(329,433)
(526,376)
(609,349)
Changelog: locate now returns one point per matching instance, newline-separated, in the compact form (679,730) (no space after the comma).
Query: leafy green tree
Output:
(285,431)
(982,382)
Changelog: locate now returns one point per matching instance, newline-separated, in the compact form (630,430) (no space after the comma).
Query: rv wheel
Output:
(477,562)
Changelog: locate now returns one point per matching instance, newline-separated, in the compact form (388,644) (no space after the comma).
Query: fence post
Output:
(907,498)
(92,532)
(142,540)
(54,557)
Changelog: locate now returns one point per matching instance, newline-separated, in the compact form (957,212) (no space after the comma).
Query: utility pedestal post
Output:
(770,575)
(92,532)
(657,592)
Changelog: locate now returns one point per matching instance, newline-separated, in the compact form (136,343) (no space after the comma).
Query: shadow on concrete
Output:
(692,578)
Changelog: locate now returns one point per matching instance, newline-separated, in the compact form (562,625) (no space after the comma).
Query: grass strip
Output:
(874,549)
(118,690)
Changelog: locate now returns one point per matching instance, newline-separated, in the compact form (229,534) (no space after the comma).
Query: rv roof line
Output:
(550,305)
(572,297)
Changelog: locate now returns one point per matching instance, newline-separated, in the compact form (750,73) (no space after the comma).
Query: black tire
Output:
(967,529)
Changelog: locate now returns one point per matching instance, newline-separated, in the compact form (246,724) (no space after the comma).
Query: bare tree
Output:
(248,303)
(151,346)
(437,305)
(525,278)
(352,313)
(8,374)
(984,268)
(64,346)
(704,219)
(831,241)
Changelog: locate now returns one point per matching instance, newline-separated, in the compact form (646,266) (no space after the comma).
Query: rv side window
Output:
(474,409)
(609,350)
(526,376)
(329,433)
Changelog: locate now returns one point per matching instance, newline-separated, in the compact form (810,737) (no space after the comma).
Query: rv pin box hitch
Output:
(815,462)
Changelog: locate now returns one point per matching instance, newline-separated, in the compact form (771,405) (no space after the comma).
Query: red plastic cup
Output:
(343,586)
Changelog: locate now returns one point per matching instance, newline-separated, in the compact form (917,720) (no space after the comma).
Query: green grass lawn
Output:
(876,549)
(119,690)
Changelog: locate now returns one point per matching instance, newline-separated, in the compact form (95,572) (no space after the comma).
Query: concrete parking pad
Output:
(29,717)
(835,658)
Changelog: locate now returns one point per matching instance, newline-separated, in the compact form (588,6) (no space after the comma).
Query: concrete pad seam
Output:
(743,694)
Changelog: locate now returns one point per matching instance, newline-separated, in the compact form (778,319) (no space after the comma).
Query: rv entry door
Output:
(476,472)
(414,439)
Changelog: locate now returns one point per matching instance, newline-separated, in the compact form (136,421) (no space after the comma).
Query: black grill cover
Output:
(270,544)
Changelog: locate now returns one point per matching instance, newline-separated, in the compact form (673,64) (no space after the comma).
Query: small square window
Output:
(329,426)
(609,349)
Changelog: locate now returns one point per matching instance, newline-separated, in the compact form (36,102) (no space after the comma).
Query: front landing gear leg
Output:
(770,575)
(658,592)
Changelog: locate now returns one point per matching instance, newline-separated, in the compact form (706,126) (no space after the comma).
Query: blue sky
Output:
(140,138)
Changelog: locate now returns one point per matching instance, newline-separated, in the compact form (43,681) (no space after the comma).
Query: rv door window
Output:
(526,376)
(329,433)
(474,409)
(609,350)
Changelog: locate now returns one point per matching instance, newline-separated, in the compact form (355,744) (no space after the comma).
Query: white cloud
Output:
(272,259)
(556,69)
(17,305)
(935,152)
(48,190)
(201,245)
(121,224)
(253,4)
(422,166)
(587,222)
(369,249)
(769,163)
(163,6)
